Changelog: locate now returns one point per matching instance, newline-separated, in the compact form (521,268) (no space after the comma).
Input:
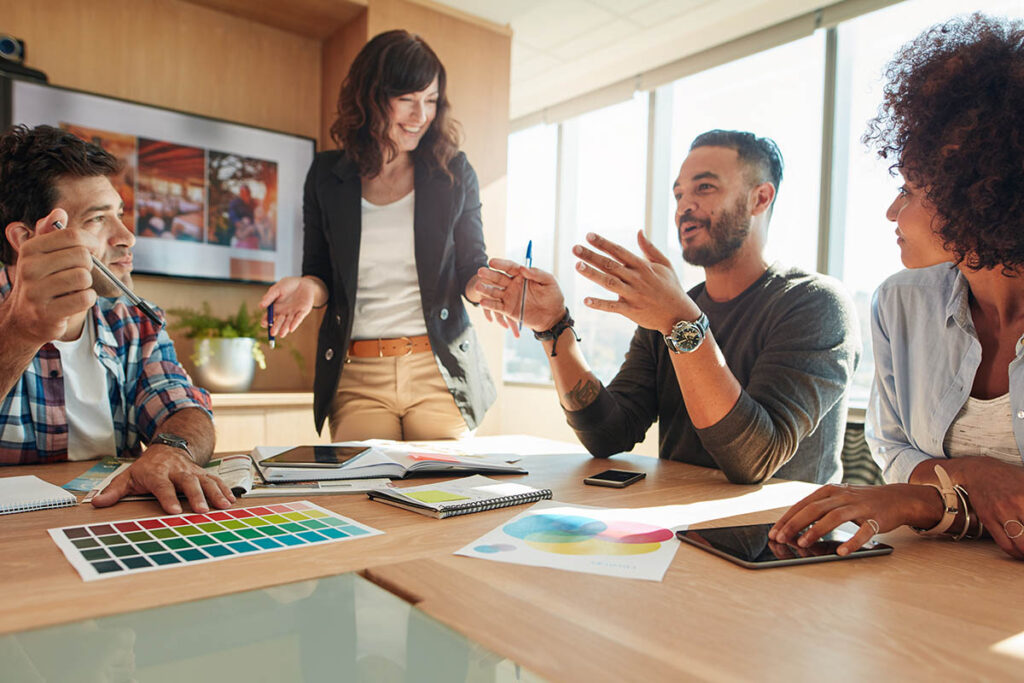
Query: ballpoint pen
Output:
(529,264)
(129,294)
(270,325)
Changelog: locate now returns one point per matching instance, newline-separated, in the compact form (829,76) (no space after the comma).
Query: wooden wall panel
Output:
(340,49)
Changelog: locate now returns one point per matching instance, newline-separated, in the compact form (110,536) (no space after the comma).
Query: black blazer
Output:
(449,250)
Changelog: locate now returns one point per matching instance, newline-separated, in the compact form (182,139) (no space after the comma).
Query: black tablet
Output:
(314,456)
(749,546)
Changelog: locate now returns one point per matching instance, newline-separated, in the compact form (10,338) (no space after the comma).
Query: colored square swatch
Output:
(131,546)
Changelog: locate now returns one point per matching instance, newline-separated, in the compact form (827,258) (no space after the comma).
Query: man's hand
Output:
(501,291)
(52,281)
(163,471)
(648,290)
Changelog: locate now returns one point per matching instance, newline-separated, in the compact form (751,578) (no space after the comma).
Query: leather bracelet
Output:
(950,502)
(552,334)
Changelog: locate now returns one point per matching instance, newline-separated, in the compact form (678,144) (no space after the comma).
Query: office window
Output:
(864,189)
(532,187)
(607,149)
(777,93)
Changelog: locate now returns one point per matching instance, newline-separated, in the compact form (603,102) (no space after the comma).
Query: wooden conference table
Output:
(931,609)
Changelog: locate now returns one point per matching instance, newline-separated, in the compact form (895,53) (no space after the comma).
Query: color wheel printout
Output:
(100,551)
(627,543)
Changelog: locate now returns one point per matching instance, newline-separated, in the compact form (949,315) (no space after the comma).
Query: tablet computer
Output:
(749,546)
(314,456)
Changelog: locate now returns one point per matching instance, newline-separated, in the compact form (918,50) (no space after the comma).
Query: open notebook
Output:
(24,493)
(392,460)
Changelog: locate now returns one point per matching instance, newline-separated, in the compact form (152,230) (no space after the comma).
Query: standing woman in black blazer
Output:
(392,242)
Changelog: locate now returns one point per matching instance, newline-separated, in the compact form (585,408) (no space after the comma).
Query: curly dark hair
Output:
(32,160)
(953,123)
(393,63)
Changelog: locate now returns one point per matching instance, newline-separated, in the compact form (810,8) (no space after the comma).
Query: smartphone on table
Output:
(618,479)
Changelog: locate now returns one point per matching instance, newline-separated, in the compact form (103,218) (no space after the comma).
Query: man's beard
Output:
(104,287)
(726,236)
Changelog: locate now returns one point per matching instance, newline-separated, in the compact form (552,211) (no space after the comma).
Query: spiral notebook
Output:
(24,493)
(459,496)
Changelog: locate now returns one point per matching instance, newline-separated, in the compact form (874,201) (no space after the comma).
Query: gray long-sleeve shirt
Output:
(792,341)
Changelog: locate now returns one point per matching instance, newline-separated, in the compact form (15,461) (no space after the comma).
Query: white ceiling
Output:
(564,48)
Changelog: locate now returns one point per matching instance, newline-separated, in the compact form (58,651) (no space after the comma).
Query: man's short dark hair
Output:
(761,155)
(32,160)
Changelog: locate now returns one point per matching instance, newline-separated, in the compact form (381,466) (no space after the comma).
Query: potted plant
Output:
(227,348)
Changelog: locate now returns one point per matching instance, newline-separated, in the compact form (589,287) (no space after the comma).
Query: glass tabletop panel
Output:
(341,628)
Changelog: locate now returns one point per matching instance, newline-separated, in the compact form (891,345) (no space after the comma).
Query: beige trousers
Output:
(399,397)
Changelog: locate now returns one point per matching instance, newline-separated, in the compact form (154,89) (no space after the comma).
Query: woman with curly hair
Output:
(393,241)
(946,415)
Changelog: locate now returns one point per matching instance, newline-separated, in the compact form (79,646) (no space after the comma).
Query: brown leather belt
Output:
(379,348)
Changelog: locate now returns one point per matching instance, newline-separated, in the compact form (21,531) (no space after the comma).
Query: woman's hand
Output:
(293,299)
(887,506)
(996,490)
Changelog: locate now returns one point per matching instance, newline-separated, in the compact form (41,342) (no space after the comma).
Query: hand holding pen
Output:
(114,280)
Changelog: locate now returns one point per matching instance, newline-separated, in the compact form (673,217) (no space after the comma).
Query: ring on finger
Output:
(873,524)
(1019,528)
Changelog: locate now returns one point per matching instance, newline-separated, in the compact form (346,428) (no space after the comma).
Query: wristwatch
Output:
(174,440)
(686,336)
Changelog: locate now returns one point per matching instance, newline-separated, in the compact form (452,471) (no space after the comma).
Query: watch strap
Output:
(175,441)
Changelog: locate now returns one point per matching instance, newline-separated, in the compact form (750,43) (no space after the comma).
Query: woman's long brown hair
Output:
(393,63)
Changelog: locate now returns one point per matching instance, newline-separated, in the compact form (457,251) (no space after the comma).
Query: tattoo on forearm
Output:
(583,394)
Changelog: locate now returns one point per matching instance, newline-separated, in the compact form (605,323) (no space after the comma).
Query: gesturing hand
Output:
(501,290)
(293,299)
(52,281)
(648,290)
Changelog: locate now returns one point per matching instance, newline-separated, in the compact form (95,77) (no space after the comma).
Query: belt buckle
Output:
(408,346)
(380,348)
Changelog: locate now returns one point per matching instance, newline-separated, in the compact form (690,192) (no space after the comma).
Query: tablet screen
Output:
(315,456)
(750,546)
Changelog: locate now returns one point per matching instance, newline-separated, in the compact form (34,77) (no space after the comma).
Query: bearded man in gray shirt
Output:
(747,372)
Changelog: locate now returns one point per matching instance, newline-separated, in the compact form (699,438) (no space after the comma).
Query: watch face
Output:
(688,338)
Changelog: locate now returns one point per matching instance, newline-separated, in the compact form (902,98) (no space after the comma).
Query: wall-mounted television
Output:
(206,198)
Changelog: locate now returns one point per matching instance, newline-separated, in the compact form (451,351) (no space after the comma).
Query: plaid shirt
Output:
(145,382)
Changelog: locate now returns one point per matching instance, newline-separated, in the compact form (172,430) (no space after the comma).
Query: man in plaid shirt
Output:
(82,373)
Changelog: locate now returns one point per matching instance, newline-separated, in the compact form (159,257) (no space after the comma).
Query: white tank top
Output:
(388,301)
(983,427)
(90,423)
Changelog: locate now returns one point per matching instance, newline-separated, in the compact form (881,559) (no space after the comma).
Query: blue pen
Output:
(270,325)
(529,264)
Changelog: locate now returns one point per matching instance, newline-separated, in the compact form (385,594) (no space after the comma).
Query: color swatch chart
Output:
(99,551)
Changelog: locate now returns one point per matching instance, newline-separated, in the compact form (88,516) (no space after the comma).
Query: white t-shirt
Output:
(984,427)
(388,301)
(90,423)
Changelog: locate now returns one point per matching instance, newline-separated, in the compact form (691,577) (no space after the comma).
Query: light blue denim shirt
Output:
(926,356)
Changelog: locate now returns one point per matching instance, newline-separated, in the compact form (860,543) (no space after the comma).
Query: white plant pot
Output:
(228,366)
